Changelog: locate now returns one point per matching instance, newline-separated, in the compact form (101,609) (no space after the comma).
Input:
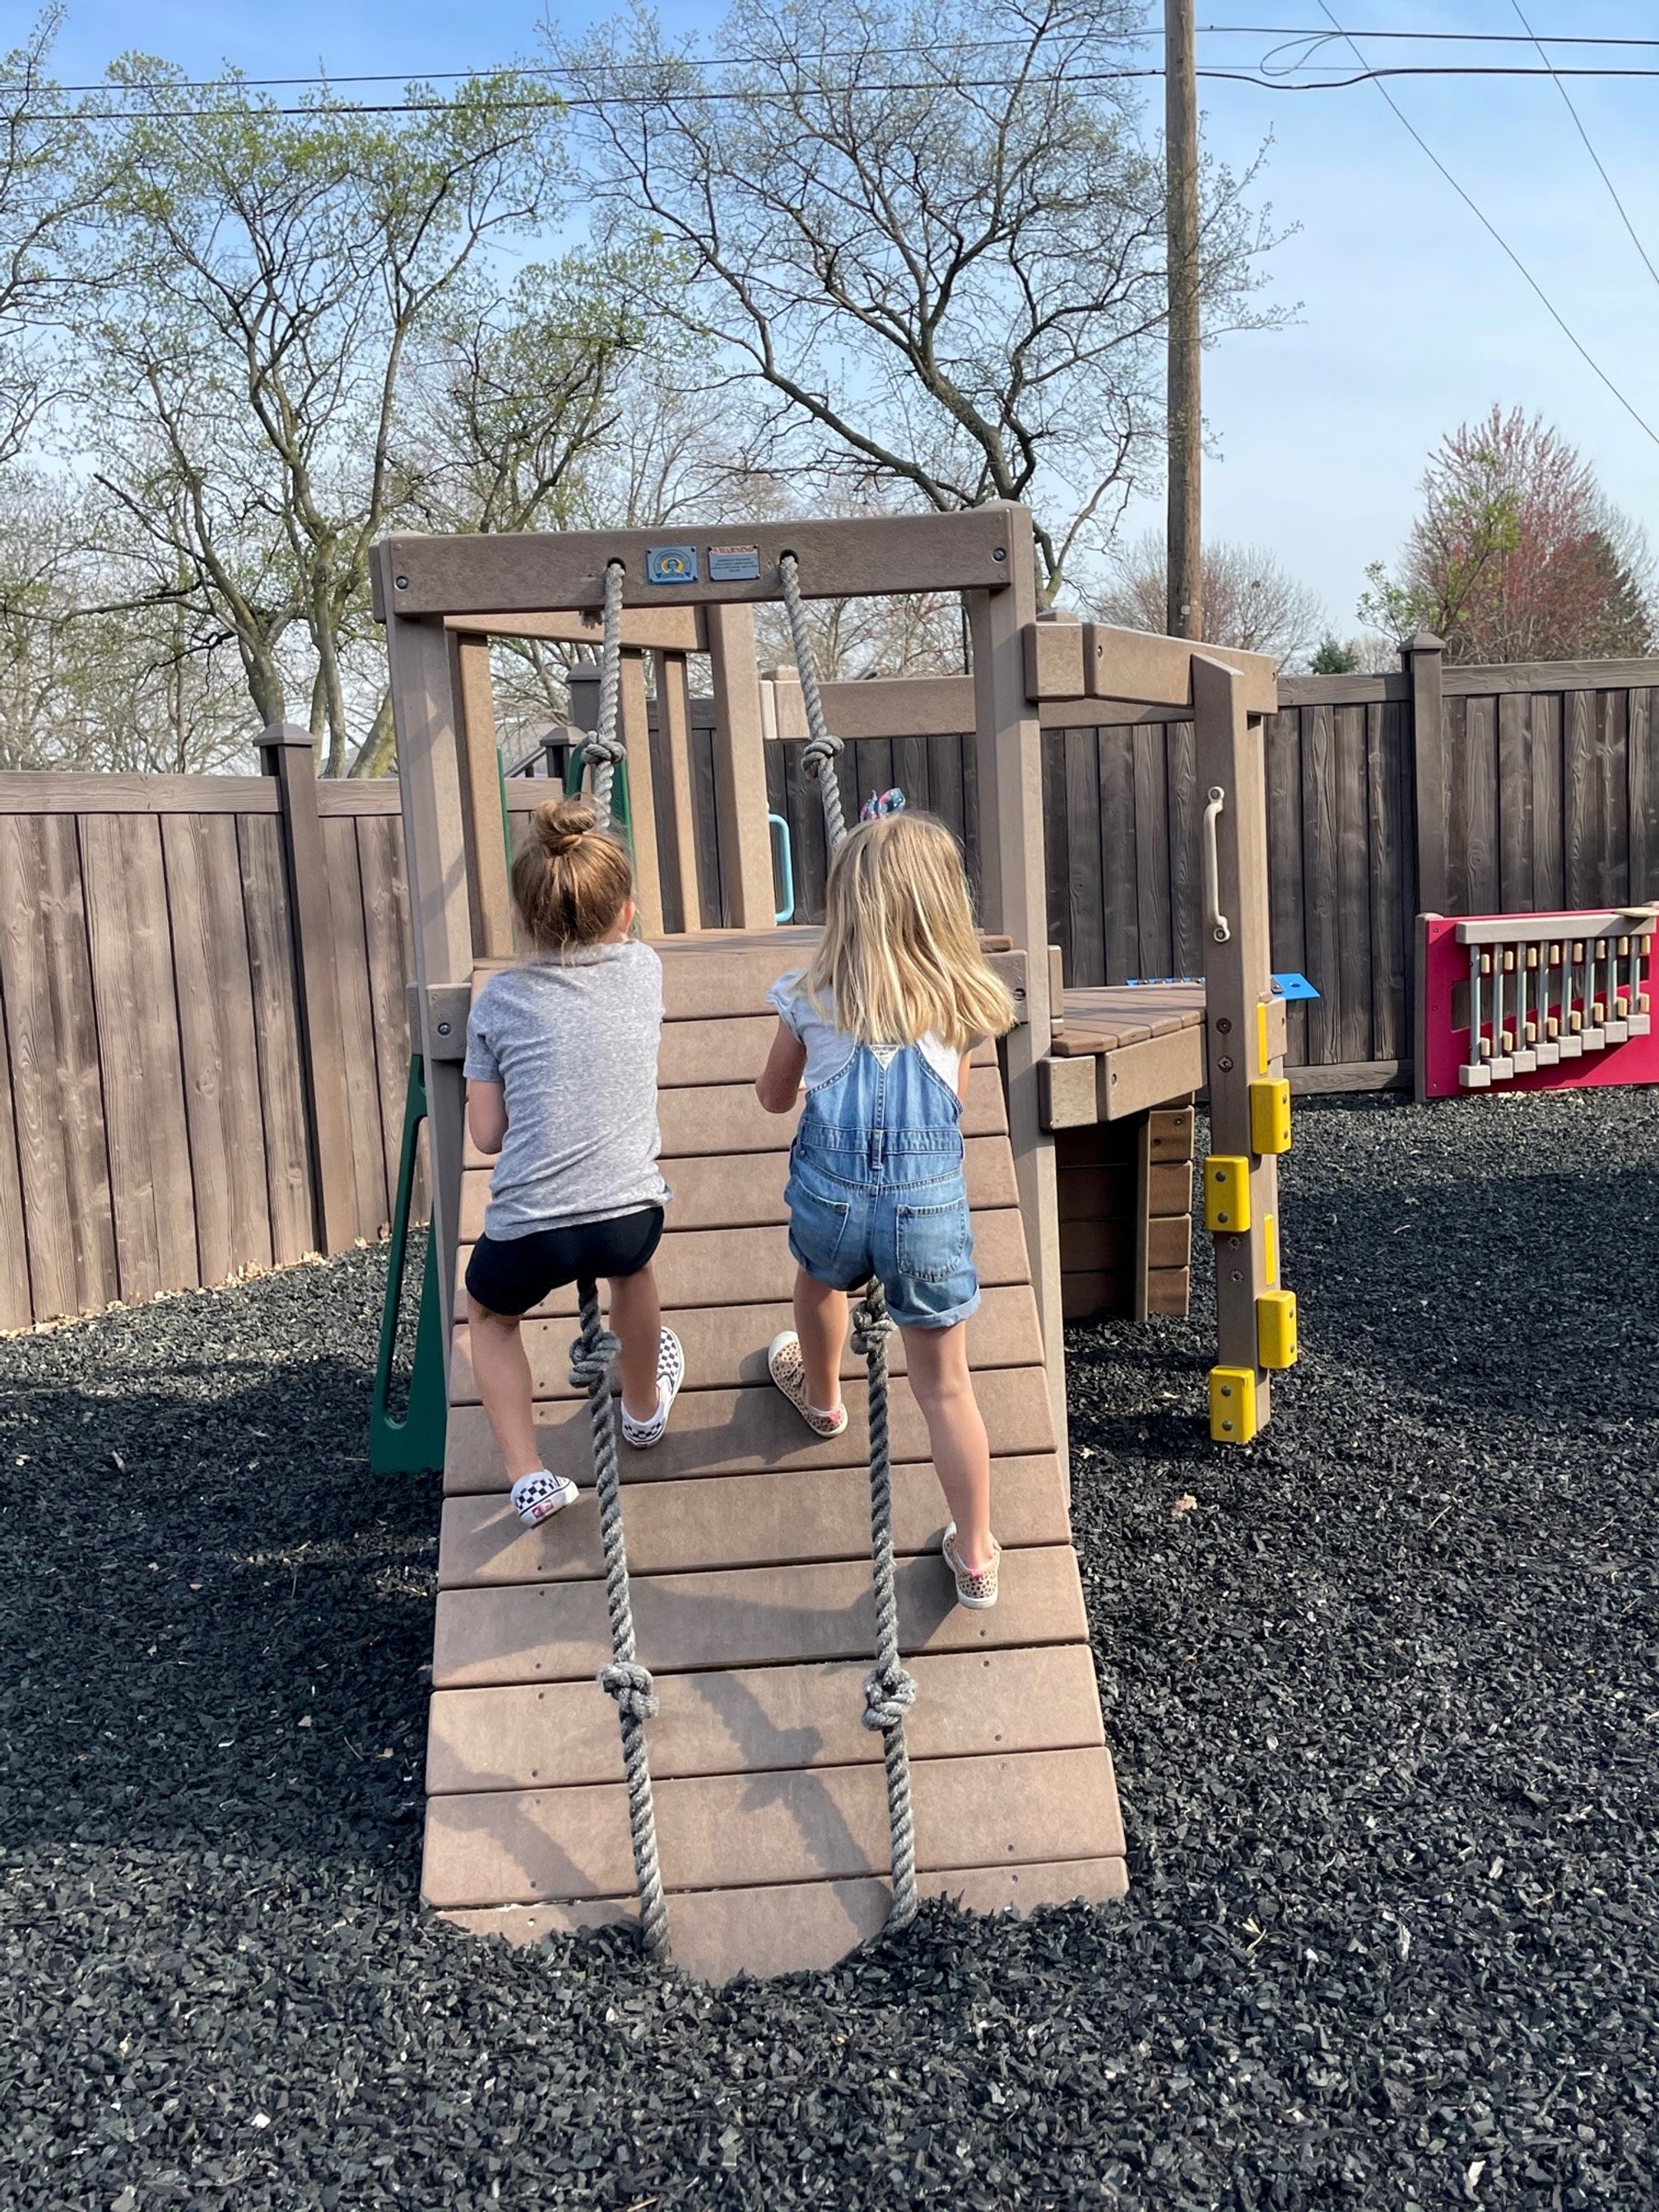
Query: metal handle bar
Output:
(1214,920)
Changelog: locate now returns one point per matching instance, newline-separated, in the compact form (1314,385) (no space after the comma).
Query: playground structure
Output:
(1535,1001)
(747,1538)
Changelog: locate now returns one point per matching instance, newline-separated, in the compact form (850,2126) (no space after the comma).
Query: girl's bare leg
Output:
(502,1369)
(637,1317)
(820,1325)
(938,1361)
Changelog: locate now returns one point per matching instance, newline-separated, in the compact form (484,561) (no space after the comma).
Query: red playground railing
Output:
(1535,1001)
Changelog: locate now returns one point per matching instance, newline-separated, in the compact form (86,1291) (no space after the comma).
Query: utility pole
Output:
(1184,616)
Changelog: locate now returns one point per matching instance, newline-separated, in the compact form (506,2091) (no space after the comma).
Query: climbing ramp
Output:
(749,1543)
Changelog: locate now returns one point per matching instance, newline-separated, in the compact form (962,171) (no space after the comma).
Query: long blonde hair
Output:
(899,959)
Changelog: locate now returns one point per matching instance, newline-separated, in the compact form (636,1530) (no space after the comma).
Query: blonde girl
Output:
(561,1085)
(878,1031)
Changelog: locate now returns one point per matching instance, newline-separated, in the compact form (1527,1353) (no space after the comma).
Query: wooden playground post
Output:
(1245,1040)
(740,769)
(434,865)
(1014,896)
(674,723)
(489,900)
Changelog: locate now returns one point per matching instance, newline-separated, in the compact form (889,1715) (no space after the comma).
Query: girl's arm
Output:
(780,1079)
(486,1114)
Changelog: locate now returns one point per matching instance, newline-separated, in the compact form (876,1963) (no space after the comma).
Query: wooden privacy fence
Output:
(1453,790)
(203,1035)
(204,1046)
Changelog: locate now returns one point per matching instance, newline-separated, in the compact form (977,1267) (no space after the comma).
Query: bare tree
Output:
(40,135)
(931,245)
(1251,600)
(263,279)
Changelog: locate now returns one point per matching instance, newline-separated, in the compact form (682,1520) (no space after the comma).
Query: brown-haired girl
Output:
(562,1083)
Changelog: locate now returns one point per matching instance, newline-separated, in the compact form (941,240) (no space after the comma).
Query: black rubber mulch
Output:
(1384,1703)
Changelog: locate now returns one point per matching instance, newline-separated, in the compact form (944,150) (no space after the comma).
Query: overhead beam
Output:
(532,573)
(650,629)
(1090,660)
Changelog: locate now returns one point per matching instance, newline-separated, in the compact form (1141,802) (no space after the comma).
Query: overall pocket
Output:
(933,1242)
(817,1220)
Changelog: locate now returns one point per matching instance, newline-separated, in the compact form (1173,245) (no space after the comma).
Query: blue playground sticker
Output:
(671,564)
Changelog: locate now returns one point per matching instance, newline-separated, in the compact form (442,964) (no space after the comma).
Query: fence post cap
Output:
(1425,641)
(285,733)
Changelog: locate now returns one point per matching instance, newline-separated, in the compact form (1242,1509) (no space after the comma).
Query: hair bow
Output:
(882,802)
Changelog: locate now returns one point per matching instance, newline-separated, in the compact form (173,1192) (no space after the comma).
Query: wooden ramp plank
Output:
(733,1521)
(801,1927)
(742,1617)
(719,1831)
(726,1345)
(723,1267)
(744,1190)
(750,1720)
(727,1117)
(750,1431)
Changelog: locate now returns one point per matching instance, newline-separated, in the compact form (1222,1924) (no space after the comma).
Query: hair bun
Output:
(562,824)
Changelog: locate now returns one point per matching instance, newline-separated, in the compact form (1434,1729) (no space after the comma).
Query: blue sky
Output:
(1409,317)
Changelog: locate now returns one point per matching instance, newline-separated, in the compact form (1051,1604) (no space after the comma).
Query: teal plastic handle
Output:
(786,867)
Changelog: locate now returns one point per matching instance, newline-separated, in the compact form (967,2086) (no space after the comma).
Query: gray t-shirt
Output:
(574,1041)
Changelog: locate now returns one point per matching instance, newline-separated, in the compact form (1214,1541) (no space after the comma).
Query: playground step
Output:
(733,1520)
(761,1719)
(793,1926)
(717,1266)
(745,1189)
(719,1831)
(750,1430)
(747,1617)
(726,1345)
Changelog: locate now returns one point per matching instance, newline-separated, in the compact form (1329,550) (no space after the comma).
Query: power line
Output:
(1486,223)
(1578,125)
(1033,80)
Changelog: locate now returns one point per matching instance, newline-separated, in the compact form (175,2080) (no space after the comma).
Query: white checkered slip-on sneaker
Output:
(670,1373)
(787,1368)
(978,1591)
(539,1496)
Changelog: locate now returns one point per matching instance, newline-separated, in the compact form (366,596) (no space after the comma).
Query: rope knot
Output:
(631,1685)
(871,1323)
(889,1694)
(597,747)
(820,753)
(590,1360)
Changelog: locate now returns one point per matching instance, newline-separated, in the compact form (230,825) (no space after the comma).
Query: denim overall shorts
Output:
(876,1187)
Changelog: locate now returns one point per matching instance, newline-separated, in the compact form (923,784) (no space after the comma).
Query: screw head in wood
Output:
(402,583)
(998,553)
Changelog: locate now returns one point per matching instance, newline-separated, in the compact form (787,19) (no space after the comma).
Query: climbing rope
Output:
(625,1679)
(889,1690)
(604,747)
(591,1355)
(821,752)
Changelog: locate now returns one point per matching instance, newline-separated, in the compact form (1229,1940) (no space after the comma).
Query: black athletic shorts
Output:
(510,1274)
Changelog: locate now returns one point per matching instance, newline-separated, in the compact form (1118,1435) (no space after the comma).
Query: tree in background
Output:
(1251,601)
(1517,553)
(1330,657)
(926,242)
(259,286)
(41,138)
